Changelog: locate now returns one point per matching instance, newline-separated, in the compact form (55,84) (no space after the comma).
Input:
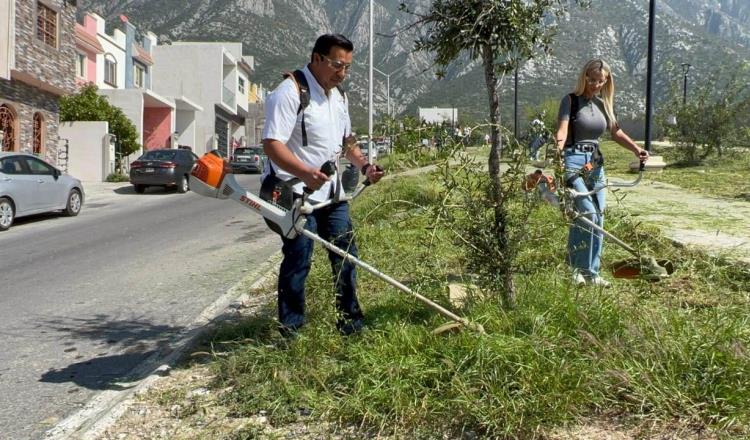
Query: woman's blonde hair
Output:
(608,90)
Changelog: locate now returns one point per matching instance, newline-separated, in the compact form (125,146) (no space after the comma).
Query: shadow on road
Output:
(124,332)
(151,190)
(136,339)
(100,373)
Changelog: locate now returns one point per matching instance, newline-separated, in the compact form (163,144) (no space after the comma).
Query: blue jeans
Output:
(585,243)
(333,224)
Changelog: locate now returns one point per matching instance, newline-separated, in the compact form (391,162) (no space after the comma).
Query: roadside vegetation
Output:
(668,356)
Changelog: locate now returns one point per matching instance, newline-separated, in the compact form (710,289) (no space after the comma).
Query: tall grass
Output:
(674,351)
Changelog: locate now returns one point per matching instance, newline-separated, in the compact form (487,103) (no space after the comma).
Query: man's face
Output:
(331,70)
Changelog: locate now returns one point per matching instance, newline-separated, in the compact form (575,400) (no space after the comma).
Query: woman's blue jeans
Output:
(585,243)
(333,224)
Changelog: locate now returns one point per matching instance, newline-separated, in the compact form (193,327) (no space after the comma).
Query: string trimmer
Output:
(212,177)
(643,266)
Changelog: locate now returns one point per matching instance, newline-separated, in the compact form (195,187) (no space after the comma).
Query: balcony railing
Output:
(228,97)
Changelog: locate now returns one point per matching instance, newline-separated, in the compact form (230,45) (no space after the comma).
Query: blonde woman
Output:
(584,116)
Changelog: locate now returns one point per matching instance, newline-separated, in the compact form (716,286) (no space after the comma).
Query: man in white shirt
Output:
(298,141)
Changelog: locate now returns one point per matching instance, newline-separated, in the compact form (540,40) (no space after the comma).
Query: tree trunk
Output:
(496,190)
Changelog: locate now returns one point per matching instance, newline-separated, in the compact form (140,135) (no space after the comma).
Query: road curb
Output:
(106,408)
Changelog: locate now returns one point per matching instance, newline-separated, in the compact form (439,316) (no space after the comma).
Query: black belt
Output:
(583,147)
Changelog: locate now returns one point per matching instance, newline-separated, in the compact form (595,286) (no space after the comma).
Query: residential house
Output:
(256,118)
(125,79)
(124,74)
(219,77)
(37,47)
(88,49)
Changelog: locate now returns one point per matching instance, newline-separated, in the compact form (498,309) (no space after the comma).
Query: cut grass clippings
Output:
(725,176)
(649,354)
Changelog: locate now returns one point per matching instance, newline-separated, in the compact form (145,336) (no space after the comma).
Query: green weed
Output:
(644,352)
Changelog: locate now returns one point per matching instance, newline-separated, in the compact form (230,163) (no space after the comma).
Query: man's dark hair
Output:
(325,42)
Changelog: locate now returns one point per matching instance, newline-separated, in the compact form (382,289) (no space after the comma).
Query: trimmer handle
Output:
(367,181)
(328,168)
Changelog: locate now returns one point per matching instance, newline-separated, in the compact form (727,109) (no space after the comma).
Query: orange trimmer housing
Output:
(211,169)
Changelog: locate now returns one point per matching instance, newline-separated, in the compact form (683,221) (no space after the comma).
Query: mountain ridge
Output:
(280,34)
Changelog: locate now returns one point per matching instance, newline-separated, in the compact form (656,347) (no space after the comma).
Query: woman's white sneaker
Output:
(578,279)
(601,282)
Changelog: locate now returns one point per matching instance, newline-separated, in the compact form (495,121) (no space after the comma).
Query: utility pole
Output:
(515,104)
(370,151)
(650,72)
(685,70)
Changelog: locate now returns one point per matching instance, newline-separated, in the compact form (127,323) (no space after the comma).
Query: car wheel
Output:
(140,189)
(183,185)
(74,203)
(7,213)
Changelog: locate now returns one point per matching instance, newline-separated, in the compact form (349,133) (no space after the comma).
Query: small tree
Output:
(502,33)
(87,105)
(714,117)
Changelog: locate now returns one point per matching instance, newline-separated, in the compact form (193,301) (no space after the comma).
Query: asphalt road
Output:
(84,300)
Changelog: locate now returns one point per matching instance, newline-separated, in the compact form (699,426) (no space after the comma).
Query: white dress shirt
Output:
(326,123)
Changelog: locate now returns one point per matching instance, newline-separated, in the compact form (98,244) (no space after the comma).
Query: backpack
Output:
(300,80)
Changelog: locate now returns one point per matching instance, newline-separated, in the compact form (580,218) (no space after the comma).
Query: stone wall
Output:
(41,72)
(27,100)
(52,65)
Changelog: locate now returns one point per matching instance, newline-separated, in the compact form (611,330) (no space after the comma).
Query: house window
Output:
(241,85)
(46,24)
(80,65)
(38,133)
(7,128)
(110,70)
(139,75)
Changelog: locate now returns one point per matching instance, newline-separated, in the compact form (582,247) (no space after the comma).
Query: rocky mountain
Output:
(711,35)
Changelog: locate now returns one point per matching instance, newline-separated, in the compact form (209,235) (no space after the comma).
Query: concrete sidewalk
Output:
(96,190)
(716,225)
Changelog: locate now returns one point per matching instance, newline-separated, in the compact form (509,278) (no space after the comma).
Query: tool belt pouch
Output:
(597,158)
(278,192)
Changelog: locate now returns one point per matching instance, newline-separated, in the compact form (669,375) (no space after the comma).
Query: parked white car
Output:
(28,186)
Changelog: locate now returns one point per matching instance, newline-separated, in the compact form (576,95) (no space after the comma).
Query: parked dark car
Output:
(248,160)
(28,185)
(164,168)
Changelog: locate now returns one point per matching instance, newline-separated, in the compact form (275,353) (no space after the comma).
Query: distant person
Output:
(538,135)
(328,134)
(578,144)
(486,139)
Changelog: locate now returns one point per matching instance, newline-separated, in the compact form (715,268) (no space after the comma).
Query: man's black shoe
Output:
(348,328)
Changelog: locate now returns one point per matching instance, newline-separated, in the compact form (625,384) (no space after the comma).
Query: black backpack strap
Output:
(304,100)
(573,117)
(303,88)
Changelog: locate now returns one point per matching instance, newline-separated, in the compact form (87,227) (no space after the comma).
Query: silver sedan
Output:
(28,186)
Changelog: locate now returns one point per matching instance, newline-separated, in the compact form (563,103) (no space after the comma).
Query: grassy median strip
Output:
(674,352)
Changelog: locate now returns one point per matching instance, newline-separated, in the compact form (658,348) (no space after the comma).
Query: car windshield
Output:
(159,155)
(248,151)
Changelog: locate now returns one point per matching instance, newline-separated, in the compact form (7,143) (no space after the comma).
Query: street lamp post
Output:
(388,86)
(370,150)
(650,72)
(515,104)
(685,70)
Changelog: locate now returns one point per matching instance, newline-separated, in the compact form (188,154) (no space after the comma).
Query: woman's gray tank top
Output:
(590,122)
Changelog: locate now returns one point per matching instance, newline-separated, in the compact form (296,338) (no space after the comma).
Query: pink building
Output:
(120,63)
(87,50)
